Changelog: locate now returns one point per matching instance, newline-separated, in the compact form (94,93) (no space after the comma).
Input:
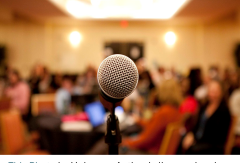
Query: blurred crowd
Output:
(162,96)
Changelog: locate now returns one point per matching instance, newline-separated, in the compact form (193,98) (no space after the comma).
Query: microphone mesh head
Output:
(117,76)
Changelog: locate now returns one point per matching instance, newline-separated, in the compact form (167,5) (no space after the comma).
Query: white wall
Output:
(197,45)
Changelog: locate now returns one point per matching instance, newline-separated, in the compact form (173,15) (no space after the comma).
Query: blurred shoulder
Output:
(23,84)
(167,109)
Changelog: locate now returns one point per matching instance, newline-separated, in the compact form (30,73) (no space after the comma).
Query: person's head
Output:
(215,91)
(67,83)
(161,70)
(37,70)
(91,72)
(7,68)
(13,77)
(213,72)
(45,74)
(226,74)
(140,63)
(234,77)
(169,92)
(58,78)
(185,86)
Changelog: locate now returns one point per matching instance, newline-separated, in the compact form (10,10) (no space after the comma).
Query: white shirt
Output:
(63,100)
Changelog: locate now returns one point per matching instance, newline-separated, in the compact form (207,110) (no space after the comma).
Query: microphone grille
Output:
(117,76)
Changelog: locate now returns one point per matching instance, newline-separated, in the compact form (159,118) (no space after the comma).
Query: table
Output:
(58,142)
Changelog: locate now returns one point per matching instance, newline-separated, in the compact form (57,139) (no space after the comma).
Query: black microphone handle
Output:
(113,136)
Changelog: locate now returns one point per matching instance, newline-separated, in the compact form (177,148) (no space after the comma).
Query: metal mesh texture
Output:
(117,76)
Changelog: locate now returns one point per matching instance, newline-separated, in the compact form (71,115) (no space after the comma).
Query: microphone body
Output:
(117,78)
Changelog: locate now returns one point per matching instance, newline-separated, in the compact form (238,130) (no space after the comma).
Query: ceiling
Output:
(195,10)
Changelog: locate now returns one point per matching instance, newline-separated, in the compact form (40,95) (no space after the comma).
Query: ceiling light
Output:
(122,9)
(78,9)
(95,2)
(75,38)
(170,38)
(160,9)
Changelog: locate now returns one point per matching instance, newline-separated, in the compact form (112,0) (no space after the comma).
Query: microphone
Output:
(117,78)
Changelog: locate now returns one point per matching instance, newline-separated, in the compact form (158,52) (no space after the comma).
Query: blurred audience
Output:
(201,92)
(63,95)
(210,132)
(45,81)
(189,104)
(149,140)
(195,77)
(56,81)
(35,78)
(145,83)
(213,73)
(87,83)
(18,91)
(162,96)
(233,81)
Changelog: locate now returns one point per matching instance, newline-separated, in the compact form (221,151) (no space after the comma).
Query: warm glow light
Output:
(75,38)
(122,9)
(170,38)
(95,2)
(78,9)
(161,9)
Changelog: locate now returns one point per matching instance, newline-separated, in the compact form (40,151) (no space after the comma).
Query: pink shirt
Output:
(20,96)
(189,105)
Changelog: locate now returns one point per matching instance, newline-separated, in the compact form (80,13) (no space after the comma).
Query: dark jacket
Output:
(216,128)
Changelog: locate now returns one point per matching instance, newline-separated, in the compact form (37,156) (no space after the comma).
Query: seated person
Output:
(63,95)
(18,91)
(210,132)
(149,140)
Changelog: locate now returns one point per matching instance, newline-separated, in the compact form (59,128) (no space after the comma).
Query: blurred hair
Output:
(15,72)
(169,92)
(67,77)
(185,79)
(195,77)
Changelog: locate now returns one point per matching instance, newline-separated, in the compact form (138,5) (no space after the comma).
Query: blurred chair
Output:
(172,136)
(231,136)
(5,104)
(171,139)
(13,135)
(42,103)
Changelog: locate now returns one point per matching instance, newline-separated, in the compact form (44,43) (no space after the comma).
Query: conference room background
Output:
(187,53)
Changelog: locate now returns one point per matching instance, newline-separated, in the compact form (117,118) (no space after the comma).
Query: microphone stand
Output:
(113,136)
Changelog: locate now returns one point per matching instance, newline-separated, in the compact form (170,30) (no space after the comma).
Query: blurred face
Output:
(13,79)
(140,65)
(38,70)
(185,86)
(206,79)
(67,84)
(90,74)
(214,91)
(234,78)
